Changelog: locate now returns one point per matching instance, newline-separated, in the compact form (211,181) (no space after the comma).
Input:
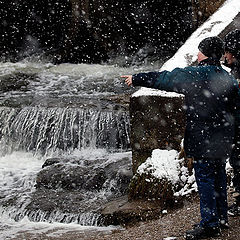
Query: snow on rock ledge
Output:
(162,164)
(162,177)
(154,92)
(157,178)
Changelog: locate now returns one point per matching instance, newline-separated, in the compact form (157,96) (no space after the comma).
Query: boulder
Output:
(15,81)
(76,190)
(123,212)
(70,177)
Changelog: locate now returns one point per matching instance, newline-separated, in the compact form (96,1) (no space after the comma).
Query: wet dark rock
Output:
(68,187)
(121,211)
(115,103)
(15,81)
(51,161)
(62,206)
(65,176)
(82,174)
(123,176)
(96,180)
(48,201)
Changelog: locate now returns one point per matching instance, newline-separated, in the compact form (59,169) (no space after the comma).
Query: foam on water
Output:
(10,229)
(18,172)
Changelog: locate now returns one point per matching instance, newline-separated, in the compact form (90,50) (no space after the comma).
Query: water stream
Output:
(76,112)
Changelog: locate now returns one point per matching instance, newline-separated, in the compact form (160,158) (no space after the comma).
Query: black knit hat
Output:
(232,43)
(212,47)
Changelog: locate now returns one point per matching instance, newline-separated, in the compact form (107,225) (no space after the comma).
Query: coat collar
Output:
(210,61)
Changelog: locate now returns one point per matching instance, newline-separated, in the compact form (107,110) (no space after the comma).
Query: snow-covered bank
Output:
(187,54)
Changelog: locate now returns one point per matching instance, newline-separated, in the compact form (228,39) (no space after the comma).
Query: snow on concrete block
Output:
(157,122)
(157,178)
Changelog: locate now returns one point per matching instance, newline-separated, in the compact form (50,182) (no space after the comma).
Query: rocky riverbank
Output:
(170,225)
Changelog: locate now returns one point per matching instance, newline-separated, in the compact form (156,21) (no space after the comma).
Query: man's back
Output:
(211,96)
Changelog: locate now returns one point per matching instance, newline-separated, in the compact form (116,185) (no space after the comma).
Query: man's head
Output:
(211,47)
(232,47)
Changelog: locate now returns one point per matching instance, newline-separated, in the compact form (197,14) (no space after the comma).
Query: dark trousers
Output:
(211,180)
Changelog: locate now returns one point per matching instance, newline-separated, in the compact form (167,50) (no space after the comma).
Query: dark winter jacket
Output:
(235,70)
(211,99)
(235,156)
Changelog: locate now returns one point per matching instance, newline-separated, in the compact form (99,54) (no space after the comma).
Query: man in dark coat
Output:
(232,52)
(232,60)
(211,99)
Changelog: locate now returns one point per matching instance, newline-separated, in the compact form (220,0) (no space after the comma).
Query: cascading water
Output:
(48,130)
(76,115)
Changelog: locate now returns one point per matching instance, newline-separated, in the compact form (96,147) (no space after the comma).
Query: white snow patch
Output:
(154,92)
(162,164)
(187,54)
(189,187)
(164,211)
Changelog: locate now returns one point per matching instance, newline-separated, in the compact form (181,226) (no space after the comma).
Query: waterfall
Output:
(48,130)
(76,114)
(84,219)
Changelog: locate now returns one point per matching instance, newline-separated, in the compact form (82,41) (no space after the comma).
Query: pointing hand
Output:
(128,79)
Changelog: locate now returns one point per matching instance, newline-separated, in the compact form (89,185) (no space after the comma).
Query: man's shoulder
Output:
(204,68)
(188,69)
(195,70)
